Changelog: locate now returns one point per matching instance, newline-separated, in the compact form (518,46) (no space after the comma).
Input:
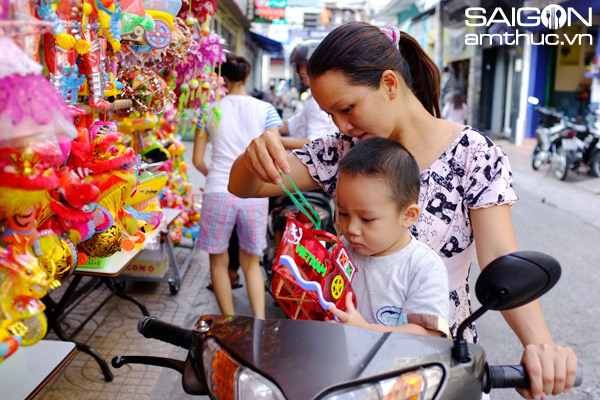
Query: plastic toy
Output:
(150,185)
(109,14)
(163,12)
(30,104)
(73,210)
(62,63)
(64,18)
(23,283)
(146,88)
(59,255)
(307,277)
(134,20)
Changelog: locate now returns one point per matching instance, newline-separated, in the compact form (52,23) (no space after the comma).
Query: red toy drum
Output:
(311,272)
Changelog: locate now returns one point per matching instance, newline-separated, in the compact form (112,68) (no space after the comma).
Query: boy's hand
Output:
(351,317)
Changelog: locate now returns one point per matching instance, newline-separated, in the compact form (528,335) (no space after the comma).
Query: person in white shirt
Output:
(311,122)
(456,109)
(243,119)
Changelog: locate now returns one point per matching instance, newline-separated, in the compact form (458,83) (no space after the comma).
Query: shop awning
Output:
(268,45)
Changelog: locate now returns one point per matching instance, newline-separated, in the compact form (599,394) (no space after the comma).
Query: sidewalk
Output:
(113,331)
(579,194)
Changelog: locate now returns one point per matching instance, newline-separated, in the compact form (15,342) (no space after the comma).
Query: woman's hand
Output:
(551,368)
(265,157)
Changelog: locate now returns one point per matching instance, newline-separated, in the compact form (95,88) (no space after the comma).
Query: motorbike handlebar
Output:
(549,111)
(513,376)
(153,328)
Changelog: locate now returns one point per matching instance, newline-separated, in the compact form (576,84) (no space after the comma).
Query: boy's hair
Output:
(389,160)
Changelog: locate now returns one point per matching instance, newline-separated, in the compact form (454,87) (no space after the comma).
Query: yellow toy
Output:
(108,17)
(23,282)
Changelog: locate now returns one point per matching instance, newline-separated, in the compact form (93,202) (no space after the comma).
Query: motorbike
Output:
(565,143)
(589,155)
(238,357)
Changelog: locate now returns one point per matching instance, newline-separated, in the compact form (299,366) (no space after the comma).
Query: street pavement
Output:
(558,218)
(561,219)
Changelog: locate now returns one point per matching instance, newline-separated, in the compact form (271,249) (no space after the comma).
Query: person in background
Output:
(272,97)
(382,83)
(456,109)
(311,122)
(244,118)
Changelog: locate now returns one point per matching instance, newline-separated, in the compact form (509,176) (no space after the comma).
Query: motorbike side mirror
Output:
(533,100)
(516,279)
(508,282)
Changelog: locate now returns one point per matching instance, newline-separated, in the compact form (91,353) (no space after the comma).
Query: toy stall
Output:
(95,96)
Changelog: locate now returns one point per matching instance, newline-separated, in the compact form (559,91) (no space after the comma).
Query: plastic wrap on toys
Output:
(29,103)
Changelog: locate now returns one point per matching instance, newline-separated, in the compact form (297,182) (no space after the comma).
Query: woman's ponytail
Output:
(363,52)
(424,74)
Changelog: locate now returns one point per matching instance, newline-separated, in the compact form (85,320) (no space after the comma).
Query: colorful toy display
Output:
(77,179)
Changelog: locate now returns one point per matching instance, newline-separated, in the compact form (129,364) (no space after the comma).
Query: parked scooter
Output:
(589,154)
(235,357)
(565,143)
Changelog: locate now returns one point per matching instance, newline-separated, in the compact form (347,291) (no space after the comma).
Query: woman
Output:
(243,116)
(374,83)
(456,109)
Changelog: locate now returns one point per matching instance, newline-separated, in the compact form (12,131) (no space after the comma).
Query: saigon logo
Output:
(550,17)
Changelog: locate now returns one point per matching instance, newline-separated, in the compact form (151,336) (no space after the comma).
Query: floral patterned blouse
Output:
(472,173)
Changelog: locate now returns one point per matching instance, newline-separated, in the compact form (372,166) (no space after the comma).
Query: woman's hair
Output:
(388,160)
(236,68)
(362,52)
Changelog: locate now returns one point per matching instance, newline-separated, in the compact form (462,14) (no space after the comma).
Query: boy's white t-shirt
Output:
(410,286)
(244,118)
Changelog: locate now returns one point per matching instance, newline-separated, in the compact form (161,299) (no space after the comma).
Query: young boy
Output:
(401,284)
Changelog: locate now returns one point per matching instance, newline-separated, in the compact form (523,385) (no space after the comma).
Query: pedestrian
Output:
(456,109)
(381,83)
(400,283)
(272,97)
(311,122)
(243,118)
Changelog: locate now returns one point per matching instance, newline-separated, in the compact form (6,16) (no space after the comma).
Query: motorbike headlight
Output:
(227,379)
(415,385)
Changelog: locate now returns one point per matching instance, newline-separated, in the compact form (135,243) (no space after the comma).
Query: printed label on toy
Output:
(295,233)
(343,261)
(337,287)
(311,259)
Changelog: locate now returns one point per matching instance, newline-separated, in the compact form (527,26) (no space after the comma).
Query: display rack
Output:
(120,104)
(105,276)
(154,264)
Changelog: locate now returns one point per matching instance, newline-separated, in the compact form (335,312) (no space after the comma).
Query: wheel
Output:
(560,163)
(538,158)
(138,30)
(160,37)
(595,164)
(173,288)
